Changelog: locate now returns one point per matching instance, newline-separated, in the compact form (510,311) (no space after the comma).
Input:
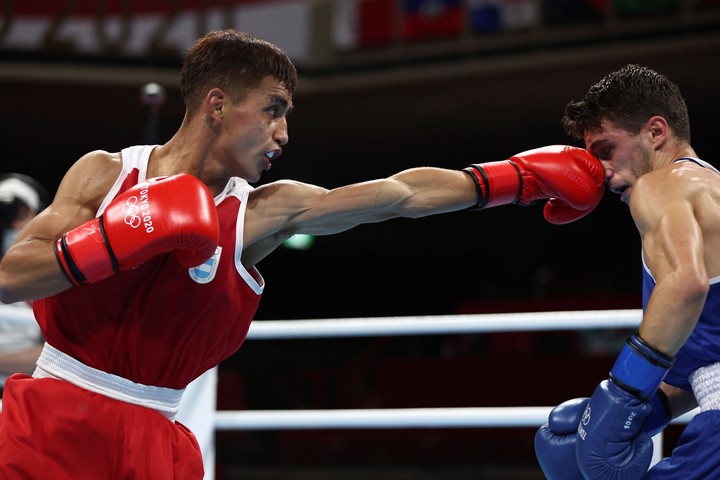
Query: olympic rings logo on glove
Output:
(131,212)
(582,433)
(586,416)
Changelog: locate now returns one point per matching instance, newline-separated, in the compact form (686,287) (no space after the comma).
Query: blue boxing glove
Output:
(555,441)
(660,414)
(611,442)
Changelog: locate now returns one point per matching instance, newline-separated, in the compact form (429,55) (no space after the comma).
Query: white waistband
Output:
(705,382)
(55,364)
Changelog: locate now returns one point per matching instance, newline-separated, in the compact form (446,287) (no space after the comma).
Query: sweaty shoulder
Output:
(685,183)
(695,173)
(694,182)
(679,180)
(653,191)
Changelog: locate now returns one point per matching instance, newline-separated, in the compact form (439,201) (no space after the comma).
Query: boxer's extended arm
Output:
(413,193)
(280,209)
(570,177)
(29,270)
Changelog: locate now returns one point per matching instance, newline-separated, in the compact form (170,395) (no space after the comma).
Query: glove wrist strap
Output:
(497,183)
(83,254)
(640,368)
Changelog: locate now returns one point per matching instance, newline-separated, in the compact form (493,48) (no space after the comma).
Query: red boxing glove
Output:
(570,178)
(154,217)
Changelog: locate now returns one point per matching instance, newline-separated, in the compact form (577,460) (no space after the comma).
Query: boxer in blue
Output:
(636,122)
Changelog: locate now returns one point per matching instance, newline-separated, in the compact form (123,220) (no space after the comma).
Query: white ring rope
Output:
(460,417)
(444,324)
(418,325)
(383,418)
(395,326)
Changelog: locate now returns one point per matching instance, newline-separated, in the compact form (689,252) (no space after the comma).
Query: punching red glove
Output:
(154,217)
(570,178)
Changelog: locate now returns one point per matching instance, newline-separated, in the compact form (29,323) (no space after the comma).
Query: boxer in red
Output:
(143,269)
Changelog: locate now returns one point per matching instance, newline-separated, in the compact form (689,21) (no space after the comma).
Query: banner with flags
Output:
(429,19)
(159,29)
(364,23)
(504,15)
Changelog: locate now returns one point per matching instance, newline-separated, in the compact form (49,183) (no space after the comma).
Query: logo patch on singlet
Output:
(205,272)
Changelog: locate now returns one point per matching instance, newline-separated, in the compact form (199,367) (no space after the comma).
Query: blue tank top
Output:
(703,346)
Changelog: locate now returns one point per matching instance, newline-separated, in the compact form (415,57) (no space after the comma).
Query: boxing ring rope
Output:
(458,417)
(444,324)
(462,417)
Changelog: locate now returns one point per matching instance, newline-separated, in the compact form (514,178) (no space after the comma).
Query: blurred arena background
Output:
(385,85)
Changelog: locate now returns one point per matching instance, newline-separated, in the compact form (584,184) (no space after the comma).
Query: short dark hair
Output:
(628,97)
(233,61)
